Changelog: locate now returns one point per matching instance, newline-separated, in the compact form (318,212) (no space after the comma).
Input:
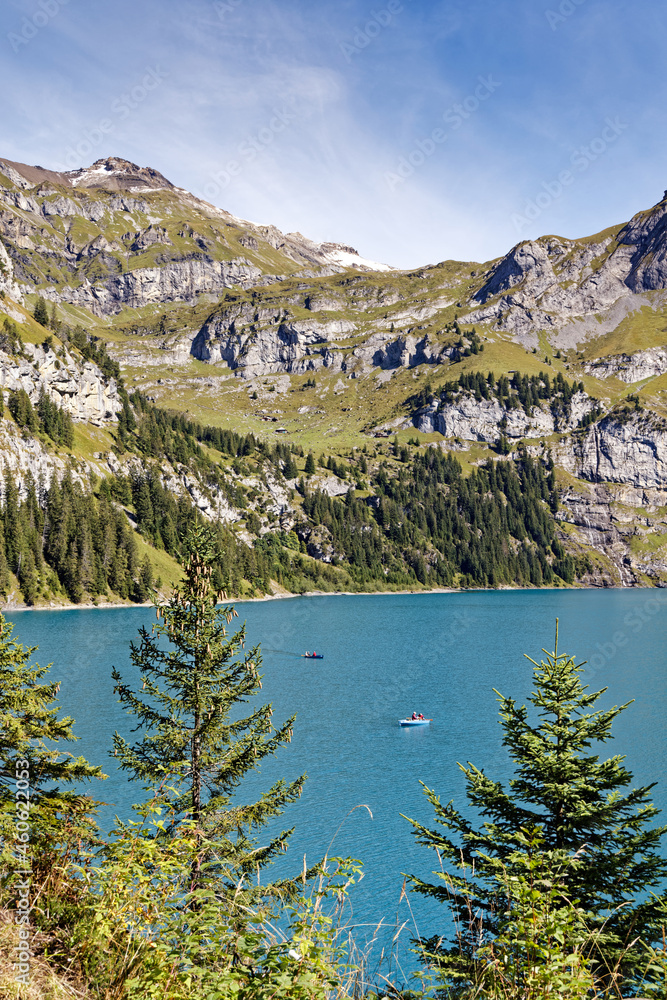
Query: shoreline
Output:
(109,605)
(89,606)
(6,609)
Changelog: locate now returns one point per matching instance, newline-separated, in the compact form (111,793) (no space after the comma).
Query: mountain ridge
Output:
(140,198)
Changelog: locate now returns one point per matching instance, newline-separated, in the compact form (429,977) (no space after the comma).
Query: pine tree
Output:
(4,568)
(310,467)
(28,577)
(118,573)
(67,429)
(595,832)
(144,584)
(189,743)
(13,528)
(22,410)
(41,312)
(144,507)
(54,322)
(32,732)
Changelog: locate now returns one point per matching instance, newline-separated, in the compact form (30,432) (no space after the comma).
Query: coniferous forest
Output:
(410,517)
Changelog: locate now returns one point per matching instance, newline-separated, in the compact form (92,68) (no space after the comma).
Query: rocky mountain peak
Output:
(112,173)
(117,174)
(551,282)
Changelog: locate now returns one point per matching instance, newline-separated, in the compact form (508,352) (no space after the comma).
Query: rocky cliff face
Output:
(550,282)
(80,388)
(487,420)
(261,342)
(26,456)
(545,283)
(623,526)
(257,341)
(8,287)
(631,451)
(178,280)
(382,350)
(630,367)
(628,448)
(300,346)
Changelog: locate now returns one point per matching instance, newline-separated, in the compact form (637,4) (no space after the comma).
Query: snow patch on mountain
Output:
(347,257)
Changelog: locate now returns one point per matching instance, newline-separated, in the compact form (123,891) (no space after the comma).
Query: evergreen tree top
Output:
(32,732)
(194,752)
(593,827)
(31,723)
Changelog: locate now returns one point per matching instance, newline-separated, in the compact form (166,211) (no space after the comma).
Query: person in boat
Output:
(414,715)
(420,716)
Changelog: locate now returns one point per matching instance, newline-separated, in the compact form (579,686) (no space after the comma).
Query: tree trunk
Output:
(195,871)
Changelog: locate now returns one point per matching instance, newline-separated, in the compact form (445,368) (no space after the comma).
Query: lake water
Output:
(386,656)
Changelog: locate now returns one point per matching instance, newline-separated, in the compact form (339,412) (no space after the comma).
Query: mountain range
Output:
(245,328)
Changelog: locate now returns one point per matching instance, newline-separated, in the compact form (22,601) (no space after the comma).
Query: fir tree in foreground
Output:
(194,752)
(588,832)
(33,763)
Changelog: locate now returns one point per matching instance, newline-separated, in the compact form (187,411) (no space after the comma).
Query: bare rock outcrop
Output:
(621,523)
(80,388)
(26,457)
(487,420)
(615,450)
(8,287)
(263,342)
(259,342)
(177,280)
(546,283)
(643,243)
(630,367)
(386,351)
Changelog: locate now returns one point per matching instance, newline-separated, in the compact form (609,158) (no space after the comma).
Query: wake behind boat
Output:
(414,722)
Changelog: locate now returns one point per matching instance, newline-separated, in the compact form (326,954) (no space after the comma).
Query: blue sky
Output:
(413,131)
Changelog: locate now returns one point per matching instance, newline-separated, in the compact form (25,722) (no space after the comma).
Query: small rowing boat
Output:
(414,722)
(312,656)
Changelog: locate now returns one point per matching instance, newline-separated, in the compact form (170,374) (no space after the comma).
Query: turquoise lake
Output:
(386,656)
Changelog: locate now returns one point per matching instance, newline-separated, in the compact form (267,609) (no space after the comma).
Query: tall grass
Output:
(124,928)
